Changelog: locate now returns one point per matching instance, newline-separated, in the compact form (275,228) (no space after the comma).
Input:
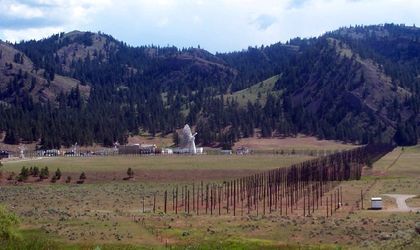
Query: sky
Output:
(215,25)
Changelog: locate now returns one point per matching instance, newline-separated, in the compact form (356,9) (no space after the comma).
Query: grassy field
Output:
(161,168)
(257,92)
(108,213)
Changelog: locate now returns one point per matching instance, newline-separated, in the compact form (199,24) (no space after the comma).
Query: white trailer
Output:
(376,203)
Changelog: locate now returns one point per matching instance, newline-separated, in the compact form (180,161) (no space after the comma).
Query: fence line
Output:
(285,191)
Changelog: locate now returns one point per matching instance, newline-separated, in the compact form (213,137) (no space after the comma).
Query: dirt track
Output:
(401,204)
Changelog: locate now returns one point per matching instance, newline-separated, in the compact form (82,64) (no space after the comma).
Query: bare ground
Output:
(401,204)
(299,142)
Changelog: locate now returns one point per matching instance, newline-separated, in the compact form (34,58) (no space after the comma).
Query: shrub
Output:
(82,178)
(8,225)
(35,171)
(58,174)
(24,174)
(130,173)
(44,174)
(68,180)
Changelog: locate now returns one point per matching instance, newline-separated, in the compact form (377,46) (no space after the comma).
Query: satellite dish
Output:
(188,140)
(22,149)
(74,148)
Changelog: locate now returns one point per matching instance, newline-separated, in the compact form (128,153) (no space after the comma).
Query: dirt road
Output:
(401,204)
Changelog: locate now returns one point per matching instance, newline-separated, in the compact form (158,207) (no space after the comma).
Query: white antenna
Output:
(22,149)
(75,148)
(189,139)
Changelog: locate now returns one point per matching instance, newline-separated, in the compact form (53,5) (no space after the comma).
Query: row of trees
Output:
(42,174)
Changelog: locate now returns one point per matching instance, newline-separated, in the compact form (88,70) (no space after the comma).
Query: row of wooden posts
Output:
(298,189)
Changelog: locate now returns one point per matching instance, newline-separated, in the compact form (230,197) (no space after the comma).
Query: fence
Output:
(301,187)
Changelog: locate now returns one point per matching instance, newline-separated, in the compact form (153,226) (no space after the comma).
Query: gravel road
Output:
(400,200)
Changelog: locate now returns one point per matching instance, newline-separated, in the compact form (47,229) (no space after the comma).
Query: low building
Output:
(226,152)
(148,149)
(137,149)
(200,150)
(4,154)
(167,151)
(243,151)
(50,152)
(129,149)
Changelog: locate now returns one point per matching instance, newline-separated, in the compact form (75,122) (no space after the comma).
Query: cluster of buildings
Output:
(186,146)
(153,149)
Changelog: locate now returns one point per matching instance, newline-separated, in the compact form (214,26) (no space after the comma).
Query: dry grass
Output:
(301,142)
(109,212)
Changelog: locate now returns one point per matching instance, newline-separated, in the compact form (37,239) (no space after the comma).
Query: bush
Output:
(8,225)
(130,173)
(34,171)
(68,180)
(24,174)
(58,174)
(82,178)
(418,227)
(44,174)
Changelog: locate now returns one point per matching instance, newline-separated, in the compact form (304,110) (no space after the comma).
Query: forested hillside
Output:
(358,84)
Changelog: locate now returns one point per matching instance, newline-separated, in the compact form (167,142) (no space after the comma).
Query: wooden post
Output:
(198,201)
(327,205)
(193,197)
(304,205)
(361,197)
(176,200)
(166,193)
(211,200)
(234,198)
(281,204)
(202,193)
(188,201)
(207,198)
(154,202)
(313,199)
(220,192)
(331,204)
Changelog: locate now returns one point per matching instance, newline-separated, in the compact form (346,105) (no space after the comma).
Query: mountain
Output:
(358,84)
(21,78)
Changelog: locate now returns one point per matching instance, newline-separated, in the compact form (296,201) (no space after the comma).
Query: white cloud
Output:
(35,19)
(31,33)
(217,25)
(24,11)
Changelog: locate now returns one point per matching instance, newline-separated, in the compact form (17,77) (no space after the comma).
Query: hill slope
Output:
(356,84)
(19,78)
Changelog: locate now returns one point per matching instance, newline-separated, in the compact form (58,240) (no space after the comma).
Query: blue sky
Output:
(216,25)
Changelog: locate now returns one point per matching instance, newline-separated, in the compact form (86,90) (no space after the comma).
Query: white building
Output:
(376,202)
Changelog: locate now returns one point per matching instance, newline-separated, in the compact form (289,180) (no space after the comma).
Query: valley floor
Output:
(108,212)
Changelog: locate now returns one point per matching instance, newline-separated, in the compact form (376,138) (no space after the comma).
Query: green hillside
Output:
(257,92)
